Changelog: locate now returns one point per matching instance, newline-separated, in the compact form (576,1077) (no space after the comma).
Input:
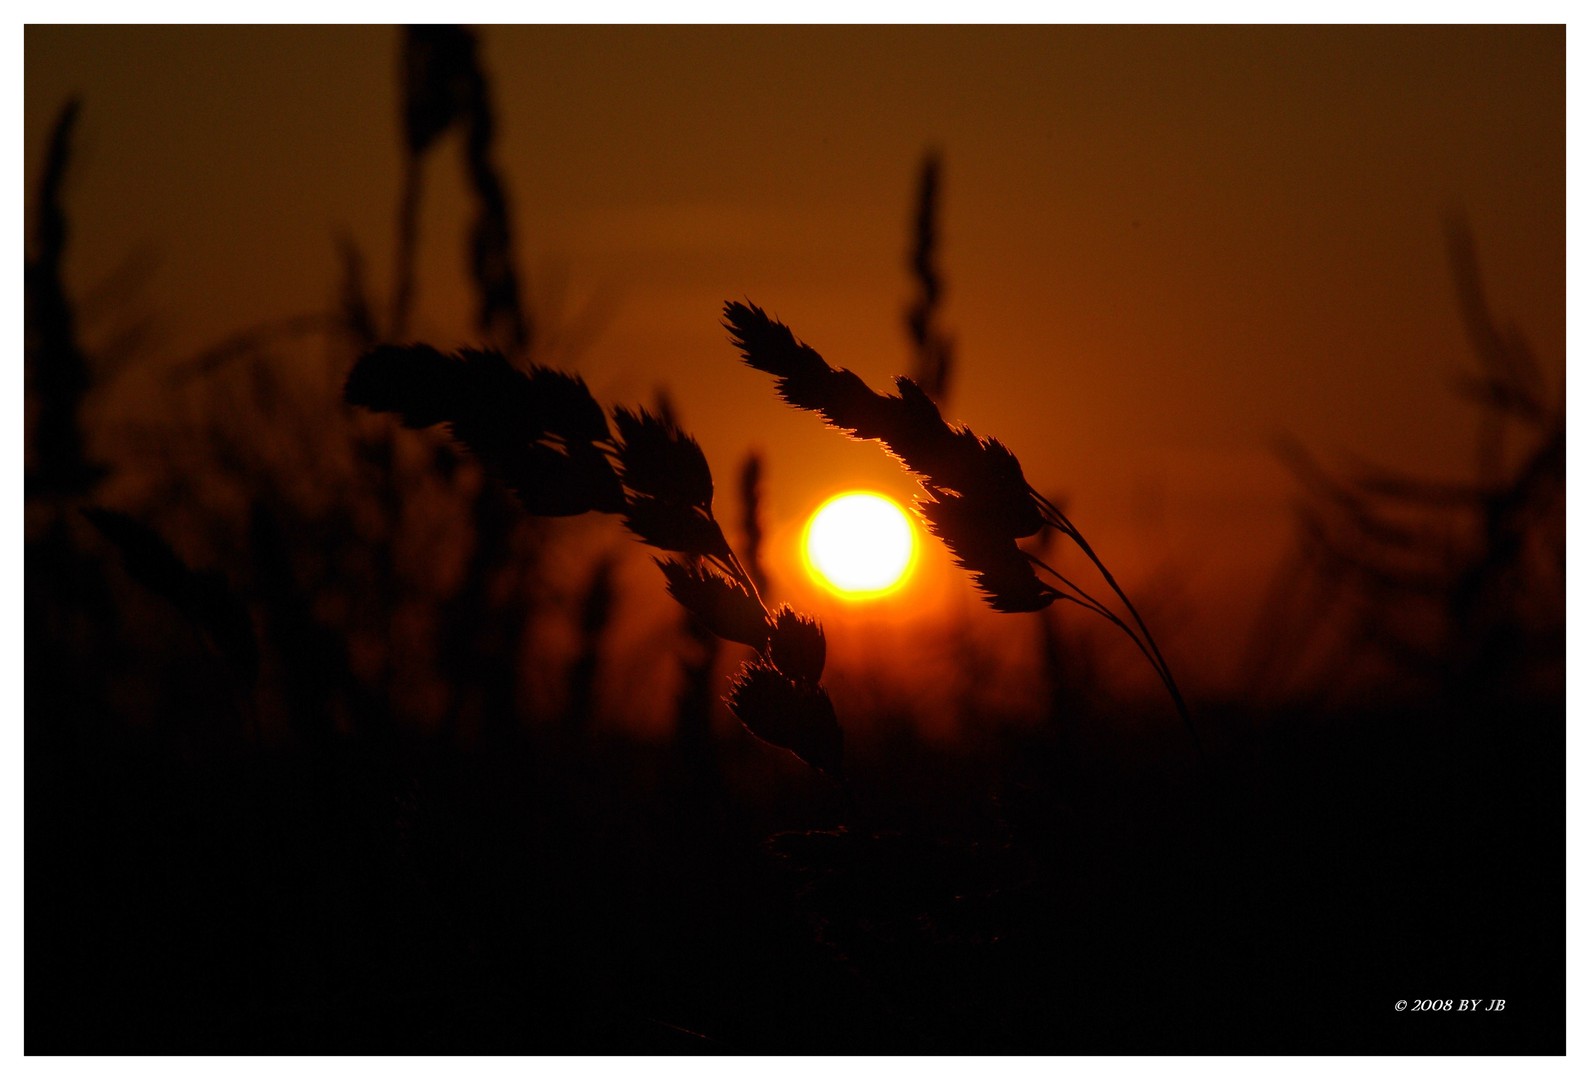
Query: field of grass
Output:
(324,752)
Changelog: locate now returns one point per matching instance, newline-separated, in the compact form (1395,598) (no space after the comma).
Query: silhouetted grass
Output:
(543,434)
(205,599)
(57,368)
(444,87)
(933,351)
(370,878)
(1457,584)
(978,502)
(751,518)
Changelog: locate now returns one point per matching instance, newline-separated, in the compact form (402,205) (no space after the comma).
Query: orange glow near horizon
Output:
(860,545)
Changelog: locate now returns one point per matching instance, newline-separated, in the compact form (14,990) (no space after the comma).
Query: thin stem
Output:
(1116,619)
(744,578)
(733,569)
(1091,604)
(1058,520)
(1087,602)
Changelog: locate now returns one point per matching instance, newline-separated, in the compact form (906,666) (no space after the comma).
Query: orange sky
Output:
(1163,247)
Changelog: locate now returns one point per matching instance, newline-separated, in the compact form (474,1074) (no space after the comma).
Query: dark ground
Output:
(1026,894)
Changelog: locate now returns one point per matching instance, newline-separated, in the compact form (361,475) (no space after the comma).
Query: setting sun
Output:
(860,545)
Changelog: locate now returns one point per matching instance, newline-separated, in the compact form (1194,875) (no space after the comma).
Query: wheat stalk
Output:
(57,368)
(543,434)
(204,598)
(977,500)
(934,351)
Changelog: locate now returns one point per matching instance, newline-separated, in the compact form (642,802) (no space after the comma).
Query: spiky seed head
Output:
(768,345)
(723,606)
(672,527)
(1000,569)
(946,458)
(414,381)
(539,431)
(440,71)
(563,405)
(797,646)
(1003,495)
(658,461)
(793,716)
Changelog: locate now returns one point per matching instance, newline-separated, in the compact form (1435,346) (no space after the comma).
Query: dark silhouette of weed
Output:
(58,372)
(205,598)
(977,501)
(542,434)
(932,349)
(751,518)
(703,648)
(1457,583)
(596,616)
(444,87)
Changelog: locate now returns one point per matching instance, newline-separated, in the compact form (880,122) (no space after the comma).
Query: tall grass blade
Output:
(204,598)
(751,518)
(57,368)
(932,349)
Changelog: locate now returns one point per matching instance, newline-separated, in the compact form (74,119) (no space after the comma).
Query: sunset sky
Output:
(1163,247)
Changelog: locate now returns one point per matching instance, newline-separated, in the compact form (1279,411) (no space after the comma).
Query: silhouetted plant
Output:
(693,705)
(977,500)
(57,368)
(1458,582)
(357,320)
(386,612)
(204,598)
(751,517)
(542,434)
(934,352)
(251,342)
(596,615)
(444,86)
(1066,657)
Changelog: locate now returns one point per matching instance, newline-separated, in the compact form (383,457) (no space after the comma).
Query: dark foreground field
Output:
(1033,894)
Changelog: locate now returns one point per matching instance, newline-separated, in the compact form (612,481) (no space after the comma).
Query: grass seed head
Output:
(539,431)
(671,527)
(797,646)
(909,425)
(797,717)
(658,461)
(1000,569)
(723,606)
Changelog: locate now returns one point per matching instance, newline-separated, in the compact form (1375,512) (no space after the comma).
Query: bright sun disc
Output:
(860,544)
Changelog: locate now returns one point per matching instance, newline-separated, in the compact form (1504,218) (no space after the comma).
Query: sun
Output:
(859,545)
